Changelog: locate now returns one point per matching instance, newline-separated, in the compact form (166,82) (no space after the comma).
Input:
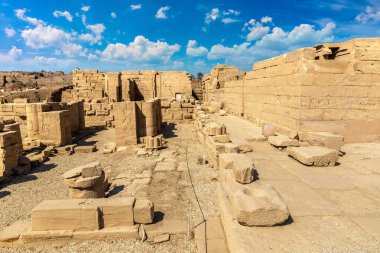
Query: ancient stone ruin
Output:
(280,158)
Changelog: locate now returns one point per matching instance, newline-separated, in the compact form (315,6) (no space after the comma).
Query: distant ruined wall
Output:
(50,123)
(100,90)
(331,87)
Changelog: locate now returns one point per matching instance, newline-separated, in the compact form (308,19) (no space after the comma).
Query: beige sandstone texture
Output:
(255,204)
(327,88)
(314,155)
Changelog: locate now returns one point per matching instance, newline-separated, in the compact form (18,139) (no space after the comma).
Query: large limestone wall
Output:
(330,87)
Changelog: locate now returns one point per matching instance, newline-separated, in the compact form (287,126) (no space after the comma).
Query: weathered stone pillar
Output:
(32,121)
(16,128)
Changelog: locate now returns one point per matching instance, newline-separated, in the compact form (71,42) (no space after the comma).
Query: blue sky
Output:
(117,35)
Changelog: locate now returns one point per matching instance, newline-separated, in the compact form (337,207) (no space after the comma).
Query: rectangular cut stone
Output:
(314,155)
(143,211)
(68,214)
(115,212)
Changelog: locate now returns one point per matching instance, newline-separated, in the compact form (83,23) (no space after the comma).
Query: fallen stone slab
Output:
(85,149)
(282,141)
(161,238)
(256,204)
(13,232)
(324,139)
(314,155)
(245,148)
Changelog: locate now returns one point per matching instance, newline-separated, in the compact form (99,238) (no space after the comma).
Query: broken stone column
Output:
(13,126)
(9,148)
(32,121)
(87,181)
(153,142)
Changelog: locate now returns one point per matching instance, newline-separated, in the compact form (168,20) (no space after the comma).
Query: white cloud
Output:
(213,15)
(86,8)
(72,50)
(20,14)
(231,12)
(96,28)
(224,16)
(96,36)
(10,32)
(256,30)
(193,50)
(113,15)
(141,50)
(44,36)
(178,65)
(276,42)
(266,19)
(92,57)
(229,20)
(135,7)
(13,55)
(161,13)
(65,14)
(369,15)
(42,61)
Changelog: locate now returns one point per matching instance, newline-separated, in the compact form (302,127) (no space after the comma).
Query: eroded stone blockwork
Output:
(100,90)
(48,123)
(327,88)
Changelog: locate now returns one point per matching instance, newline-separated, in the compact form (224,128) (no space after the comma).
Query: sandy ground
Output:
(21,194)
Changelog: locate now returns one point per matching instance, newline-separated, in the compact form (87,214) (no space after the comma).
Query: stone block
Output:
(241,166)
(143,211)
(324,139)
(13,232)
(115,212)
(224,138)
(314,155)
(283,141)
(70,214)
(92,170)
(256,205)
(85,149)
(269,130)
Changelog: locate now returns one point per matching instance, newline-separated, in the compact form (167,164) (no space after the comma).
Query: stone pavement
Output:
(333,209)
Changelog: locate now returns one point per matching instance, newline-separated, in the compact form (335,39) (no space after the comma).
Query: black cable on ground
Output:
(196,197)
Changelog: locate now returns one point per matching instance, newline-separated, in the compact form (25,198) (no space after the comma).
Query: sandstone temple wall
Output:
(327,88)
(100,90)
(50,123)
(136,119)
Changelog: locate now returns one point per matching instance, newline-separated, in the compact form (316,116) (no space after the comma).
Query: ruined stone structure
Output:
(327,88)
(135,120)
(100,90)
(48,123)
(10,147)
